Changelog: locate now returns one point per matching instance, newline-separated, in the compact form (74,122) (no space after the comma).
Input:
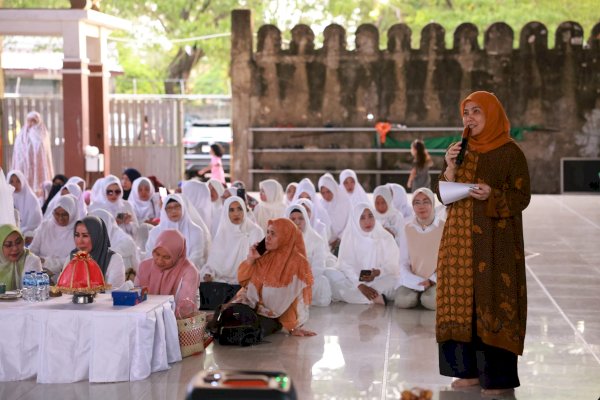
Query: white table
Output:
(62,342)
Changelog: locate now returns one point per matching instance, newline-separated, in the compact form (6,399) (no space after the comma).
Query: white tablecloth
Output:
(62,342)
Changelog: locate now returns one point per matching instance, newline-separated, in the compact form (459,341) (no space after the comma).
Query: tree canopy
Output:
(186,41)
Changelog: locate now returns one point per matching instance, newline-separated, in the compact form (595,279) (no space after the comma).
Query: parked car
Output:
(197,140)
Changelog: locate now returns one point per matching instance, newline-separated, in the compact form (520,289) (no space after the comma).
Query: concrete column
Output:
(98,98)
(75,99)
(75,115)
(241,79)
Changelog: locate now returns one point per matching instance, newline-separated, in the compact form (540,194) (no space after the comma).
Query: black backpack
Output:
(237,325)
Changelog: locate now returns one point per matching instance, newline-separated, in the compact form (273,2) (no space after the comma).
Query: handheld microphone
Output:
(463,149)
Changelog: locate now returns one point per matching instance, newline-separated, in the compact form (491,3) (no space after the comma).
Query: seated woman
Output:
(367,267)
(290,191)
(15,259)
(75,190)
(216,204)
(169,272)
(53,240)
(306,190)
(277,285)
(121,242)
(145,201)
(418,276)
(197,195)
(317,252)
(26,203)
(400,200)
(236,234)
(91,236)
(112,201)
(338,206)
(175,215)
(319,226)
(271,205)
(388,216)
(350,184)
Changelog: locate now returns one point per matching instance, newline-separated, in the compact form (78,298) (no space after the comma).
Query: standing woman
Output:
(15,259)
(32,153)
(481,331)
(91,236)
(419,174)
(27,204)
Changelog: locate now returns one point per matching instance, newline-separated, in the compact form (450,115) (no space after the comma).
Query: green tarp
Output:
(444,142)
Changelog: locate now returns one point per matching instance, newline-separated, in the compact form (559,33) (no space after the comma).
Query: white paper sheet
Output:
(454,191)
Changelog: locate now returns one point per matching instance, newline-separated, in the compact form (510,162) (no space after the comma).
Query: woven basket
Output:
(192,334)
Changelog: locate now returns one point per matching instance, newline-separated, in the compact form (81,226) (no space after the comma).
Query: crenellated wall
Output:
(305,86)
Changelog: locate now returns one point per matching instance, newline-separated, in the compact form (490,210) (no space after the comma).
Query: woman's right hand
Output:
(253,254)
(451,154)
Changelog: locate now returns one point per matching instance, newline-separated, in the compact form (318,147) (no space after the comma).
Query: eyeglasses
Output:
(110,192)
(173,207)
(60,214)
(421,203)
(16,243)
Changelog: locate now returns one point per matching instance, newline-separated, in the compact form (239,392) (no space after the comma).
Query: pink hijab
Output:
(178,280)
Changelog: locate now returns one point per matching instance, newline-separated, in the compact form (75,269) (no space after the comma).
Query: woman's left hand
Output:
(482,192)
(302,332)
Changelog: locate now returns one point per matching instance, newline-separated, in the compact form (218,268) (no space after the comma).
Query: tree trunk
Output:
(180,67)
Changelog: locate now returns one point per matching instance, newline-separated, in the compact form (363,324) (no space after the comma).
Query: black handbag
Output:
(237,325)
(213,294)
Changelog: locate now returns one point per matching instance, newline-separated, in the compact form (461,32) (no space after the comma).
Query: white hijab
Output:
(198,195)
(195,236)
(392,219)
(400,200)
(231,244)
(120,241)
(144,209)
(367,250)
(318,225)
(27,204)
(75,190)
(287,201)
(273,207)
(217,205)
(317,248)
(53,240)
(359,195)
(307,188)
(96,194)
(339,208)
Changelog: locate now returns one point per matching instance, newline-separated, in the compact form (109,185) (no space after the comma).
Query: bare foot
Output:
(497,392)
(379,300)
(465,382)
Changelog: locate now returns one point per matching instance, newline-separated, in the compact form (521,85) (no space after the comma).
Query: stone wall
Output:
(304,86)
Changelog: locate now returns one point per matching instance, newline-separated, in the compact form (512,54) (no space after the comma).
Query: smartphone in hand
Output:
(261,247)
(364,273)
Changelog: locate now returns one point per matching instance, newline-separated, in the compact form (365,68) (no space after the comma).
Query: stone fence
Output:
(556,90)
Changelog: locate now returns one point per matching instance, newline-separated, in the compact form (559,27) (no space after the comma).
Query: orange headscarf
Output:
(278,267)
(497,127)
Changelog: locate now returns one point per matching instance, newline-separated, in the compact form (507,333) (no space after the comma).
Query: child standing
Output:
(216,165)
(419,175)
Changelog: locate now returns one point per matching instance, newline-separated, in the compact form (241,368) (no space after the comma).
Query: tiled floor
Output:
(364,352)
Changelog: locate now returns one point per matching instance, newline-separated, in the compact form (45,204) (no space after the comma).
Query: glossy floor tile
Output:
(371,352)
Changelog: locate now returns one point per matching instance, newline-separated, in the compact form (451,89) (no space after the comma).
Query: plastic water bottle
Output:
(46,285)
(40,292)
(28,286)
